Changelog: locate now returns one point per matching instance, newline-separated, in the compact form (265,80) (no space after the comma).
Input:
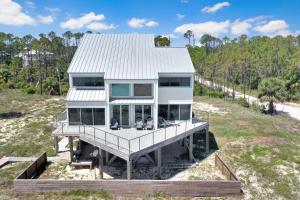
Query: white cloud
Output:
(180,16)
(211,27)
(215,8)
(52,10)
(98,26)
(260,24)
(141,22)
(11,14)
(30,4)
(273,28)
(240,27)
(151,23)
(76,23)
(45,19)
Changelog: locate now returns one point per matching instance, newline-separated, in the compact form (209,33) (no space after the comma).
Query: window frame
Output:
(179,111)
(133,90)
(169,83)
(88,87)
(93,116)
(111,90)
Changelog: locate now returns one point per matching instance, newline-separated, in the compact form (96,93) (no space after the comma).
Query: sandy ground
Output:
(205,107)
(175,167)
(292,109)
(11,127)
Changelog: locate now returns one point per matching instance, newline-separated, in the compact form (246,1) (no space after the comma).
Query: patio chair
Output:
(150,124)
(114,124)
(162,123)
(139,124)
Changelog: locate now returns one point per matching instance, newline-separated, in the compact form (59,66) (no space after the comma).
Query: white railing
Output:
(138,143)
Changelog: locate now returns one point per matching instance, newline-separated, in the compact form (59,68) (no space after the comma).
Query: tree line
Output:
(47,60)
(46,63)
(248,63)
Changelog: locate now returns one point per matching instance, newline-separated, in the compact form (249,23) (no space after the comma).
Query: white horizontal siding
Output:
(175,95)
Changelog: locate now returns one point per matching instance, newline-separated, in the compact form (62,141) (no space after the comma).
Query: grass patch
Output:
(83,194)
(284,190)
(284,134)
(228,132)
(8,173)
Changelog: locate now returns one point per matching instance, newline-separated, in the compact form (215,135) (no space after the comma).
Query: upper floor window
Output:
(120,90)
(88,81)
(142,90)
(174,81)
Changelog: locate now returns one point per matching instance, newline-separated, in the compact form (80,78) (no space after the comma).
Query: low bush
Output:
(243,102)
(202,90)
(30,90)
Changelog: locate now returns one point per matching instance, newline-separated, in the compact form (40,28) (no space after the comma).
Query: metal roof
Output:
(128,56)
(85,95)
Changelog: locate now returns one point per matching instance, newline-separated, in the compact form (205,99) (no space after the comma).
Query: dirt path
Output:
(292,109)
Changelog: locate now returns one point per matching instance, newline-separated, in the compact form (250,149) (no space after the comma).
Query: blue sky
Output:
(165,17)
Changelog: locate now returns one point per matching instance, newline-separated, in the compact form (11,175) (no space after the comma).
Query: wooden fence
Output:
(35,168)
(226,171)
(134,188)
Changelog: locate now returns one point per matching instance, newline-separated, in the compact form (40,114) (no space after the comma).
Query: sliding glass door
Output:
(121,113)
(143,111)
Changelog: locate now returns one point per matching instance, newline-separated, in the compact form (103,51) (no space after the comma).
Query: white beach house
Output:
(120,83)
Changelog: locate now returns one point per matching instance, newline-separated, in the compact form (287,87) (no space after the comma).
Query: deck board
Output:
(129,141)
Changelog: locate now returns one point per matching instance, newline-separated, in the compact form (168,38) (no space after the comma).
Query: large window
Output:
(120,90)
(143,111)
(74,116)
(175,112)
(185,112)
(174,81)
(99,116)
(163,111)
(88,116)
(88,81)
(143,90)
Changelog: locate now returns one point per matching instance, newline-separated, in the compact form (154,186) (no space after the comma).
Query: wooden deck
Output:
(129,143)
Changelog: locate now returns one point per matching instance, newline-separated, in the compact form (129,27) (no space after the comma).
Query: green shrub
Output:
(258,108)
(202,90)
(215,93)
(21,85)
(30,90)
(11,85)
(243,102)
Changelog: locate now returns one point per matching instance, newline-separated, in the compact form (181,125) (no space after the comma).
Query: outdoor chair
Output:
(150,124)
(114,124)
(139,124)
(162,123)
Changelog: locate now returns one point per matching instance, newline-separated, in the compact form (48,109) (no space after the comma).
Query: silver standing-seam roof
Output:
(128,56)
(85,95)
